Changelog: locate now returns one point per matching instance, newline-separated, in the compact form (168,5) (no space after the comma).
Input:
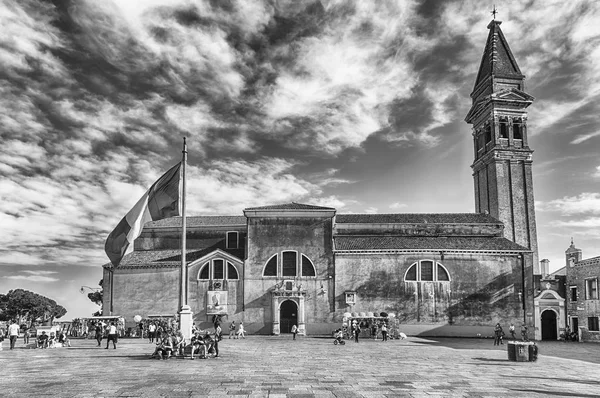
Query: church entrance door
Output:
(549,325)
(288,316)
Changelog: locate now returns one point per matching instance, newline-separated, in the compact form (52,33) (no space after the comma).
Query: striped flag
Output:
(160,201)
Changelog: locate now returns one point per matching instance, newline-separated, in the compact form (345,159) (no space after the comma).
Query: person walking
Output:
(294,331)
(13,333)
(232,329)
(241,332)
(151,332)
(498,332)
(524,332)
(511,330)
(355,331)
(112,335)
(26,335)
(98,331)
(384,331)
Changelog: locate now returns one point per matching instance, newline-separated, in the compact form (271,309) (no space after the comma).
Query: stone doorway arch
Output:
(279,299)
(549,325)
(288,316)
(549,300)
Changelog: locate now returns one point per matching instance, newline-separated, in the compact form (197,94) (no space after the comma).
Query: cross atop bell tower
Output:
(502,157)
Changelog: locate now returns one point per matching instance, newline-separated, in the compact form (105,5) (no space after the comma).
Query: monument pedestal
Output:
(185,322)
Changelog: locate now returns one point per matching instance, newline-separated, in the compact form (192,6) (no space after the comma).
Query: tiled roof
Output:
(199,221)
(417,218)
(425,243)
(290,206)
(172,258)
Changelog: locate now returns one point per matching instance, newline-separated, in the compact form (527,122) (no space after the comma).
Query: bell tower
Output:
(502,166)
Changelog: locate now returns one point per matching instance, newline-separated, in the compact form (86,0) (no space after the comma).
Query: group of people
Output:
(203,344)
(44,340)
(52,341)
(238,333)
(499,333)
(111,332)
(169,345)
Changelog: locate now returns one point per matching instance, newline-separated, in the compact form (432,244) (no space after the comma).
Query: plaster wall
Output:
(483,288)
(310,236)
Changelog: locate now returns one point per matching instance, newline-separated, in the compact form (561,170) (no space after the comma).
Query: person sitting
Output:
(198,345)
(167,350)
(178,343)
(338,335)
(64,340)
(210,343)
(42,340)
(52,340)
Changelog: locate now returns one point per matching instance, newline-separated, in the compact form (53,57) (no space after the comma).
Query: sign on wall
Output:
(216,302)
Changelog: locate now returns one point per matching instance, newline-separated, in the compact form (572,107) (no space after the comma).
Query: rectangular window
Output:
(218,269)
(573,293)
(517,131)
(232,240)
(503,129)
(591,289)
(426,270)
(593,324)
(488,134)
(480,143)
(289,264)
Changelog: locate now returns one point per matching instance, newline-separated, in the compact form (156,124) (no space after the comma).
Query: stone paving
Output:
(265,366)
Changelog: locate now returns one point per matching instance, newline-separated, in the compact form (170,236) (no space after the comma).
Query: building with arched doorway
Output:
(292,263)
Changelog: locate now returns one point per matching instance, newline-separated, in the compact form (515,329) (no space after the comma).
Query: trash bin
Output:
(522,351)
(511,348)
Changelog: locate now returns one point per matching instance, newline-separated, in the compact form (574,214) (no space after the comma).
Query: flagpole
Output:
(185,313)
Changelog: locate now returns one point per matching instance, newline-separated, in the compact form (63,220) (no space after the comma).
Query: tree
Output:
(29,307)
(96,298)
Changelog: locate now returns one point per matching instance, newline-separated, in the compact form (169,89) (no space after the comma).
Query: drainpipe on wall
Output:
(522,257)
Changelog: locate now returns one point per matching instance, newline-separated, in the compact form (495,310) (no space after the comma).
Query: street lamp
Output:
(94,289)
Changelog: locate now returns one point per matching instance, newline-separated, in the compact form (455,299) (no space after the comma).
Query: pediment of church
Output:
(512,94)
(218,253)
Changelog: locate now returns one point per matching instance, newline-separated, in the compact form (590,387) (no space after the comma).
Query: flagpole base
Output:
(185,322)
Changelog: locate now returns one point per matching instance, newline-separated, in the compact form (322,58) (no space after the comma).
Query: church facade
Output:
(439,274)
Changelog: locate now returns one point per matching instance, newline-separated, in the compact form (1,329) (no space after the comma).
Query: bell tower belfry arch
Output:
(502,163)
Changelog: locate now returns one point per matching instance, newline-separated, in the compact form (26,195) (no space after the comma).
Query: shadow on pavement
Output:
(590,382)
(557,393)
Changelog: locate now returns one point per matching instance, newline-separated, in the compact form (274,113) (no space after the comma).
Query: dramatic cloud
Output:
(281,101)
(32,278)
(585,203)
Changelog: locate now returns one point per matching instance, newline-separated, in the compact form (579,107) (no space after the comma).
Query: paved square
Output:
(264,366)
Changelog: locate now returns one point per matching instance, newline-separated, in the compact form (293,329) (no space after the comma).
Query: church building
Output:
(438,274)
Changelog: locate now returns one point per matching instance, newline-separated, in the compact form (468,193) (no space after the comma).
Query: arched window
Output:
(218,269)
(427,271)
(232,272)
(411,274)
(308,269)
(271,267)
(442,273)
(289,263)
(205,271)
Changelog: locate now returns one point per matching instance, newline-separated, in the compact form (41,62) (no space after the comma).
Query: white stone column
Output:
(301,323)
(275,309)
(185,322)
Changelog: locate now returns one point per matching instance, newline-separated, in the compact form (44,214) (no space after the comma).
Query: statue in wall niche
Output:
(299,286)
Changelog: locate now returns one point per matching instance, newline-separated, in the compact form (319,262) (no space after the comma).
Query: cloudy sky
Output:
(355,105)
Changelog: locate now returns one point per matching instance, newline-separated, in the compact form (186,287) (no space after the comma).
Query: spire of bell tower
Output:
(502,160)
(497,60)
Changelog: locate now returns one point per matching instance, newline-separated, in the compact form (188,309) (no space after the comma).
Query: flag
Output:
(160,201)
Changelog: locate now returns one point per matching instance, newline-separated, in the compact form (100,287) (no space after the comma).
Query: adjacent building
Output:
(583,302)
